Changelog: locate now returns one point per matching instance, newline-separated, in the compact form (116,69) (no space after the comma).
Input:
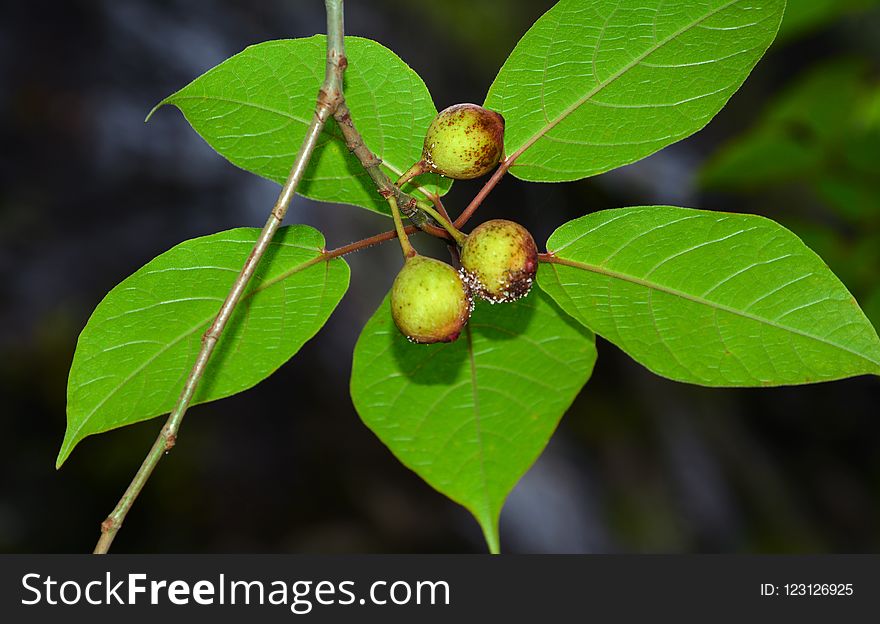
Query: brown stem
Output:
(468,212)
(378,239)
(372,165)
(444,222)
(438,204)
(329,97)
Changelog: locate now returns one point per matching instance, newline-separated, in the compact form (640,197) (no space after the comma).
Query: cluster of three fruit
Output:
(430,300)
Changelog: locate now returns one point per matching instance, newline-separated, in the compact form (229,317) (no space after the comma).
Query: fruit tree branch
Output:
(329,97)
(372,165)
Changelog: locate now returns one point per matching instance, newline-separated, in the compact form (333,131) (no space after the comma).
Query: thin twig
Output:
(454,253)
(438,204)
(490,184)
(444,222)
(372,165)
(378,239)
(328,100)
(468,212)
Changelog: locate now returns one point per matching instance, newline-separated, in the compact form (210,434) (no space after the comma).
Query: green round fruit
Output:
(464,141)
(429,302)
(499,261)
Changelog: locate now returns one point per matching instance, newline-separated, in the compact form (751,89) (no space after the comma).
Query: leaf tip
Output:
(62,457)
(66,448)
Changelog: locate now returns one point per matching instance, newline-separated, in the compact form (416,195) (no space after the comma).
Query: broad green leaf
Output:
(254,109)
(135,352)
(710,298)
(596,84)
(817,123)
(470,417)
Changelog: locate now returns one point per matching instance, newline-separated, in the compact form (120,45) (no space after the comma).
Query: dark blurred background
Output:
(89,193)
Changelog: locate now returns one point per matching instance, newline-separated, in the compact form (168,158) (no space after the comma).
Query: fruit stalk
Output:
(405,245)
(457,235)
(416,170)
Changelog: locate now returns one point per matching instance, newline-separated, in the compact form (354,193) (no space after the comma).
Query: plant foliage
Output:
(702,297)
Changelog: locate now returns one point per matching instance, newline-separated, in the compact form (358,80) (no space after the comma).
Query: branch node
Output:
(410,207)
(210,334)
(327,102)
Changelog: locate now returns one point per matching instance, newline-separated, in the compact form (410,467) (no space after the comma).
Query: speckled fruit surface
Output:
(464,141)
(429,301)
(499,261)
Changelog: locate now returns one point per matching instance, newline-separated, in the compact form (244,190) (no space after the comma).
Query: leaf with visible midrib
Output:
(255,107)
(710,298)
(470,417)
(141,341)
(597,84)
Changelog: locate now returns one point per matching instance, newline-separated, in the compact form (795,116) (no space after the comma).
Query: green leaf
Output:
(255,107)
(470,417)
(140,343)
(709,298)
(596,84)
